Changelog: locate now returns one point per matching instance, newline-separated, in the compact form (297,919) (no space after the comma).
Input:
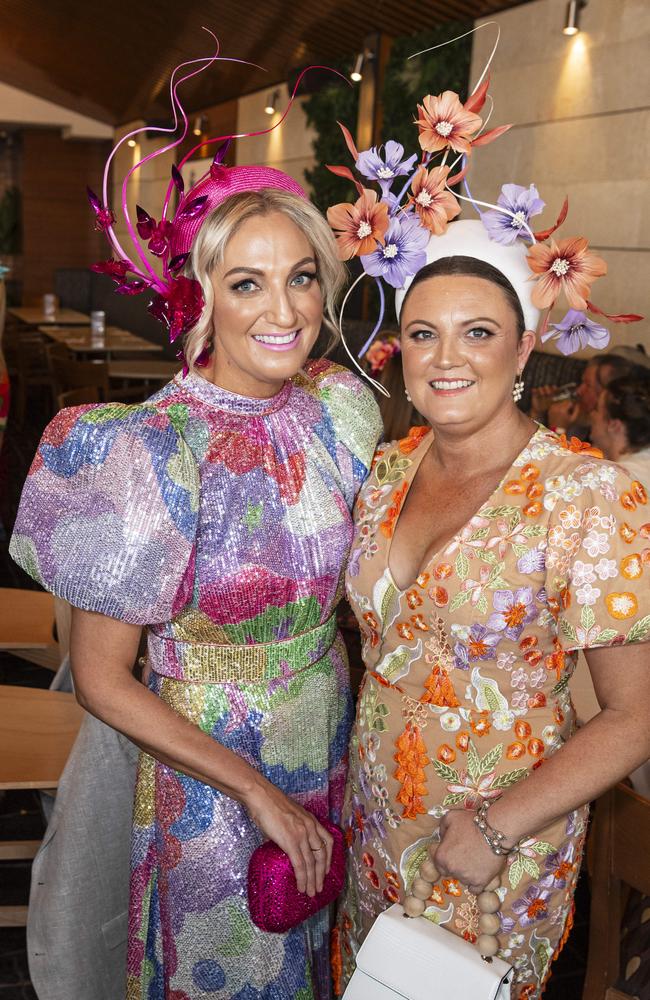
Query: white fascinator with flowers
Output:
(406,213)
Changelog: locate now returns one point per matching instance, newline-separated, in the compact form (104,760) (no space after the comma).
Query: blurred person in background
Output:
(598,373)
(620,423)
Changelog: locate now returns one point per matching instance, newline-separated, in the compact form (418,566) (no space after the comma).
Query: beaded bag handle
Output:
(488,903)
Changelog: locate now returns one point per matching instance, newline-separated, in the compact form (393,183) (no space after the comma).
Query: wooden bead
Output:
(414,907)
(489,923)
(487,945)
(488,902)
(429,871)
(493,885)
(421,889)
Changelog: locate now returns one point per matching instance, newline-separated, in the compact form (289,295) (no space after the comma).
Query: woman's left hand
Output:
(463,853)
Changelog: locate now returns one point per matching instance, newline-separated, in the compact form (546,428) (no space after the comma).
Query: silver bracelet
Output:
(493,838)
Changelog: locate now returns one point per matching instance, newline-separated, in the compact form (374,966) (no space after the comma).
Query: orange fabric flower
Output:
(435,205)
(439,690)
(446,753)
(387,526)
(411,758)
(358,227)
(632,567)
(412,439)
(622,606)
(579,447)
(444,123)
(567,266)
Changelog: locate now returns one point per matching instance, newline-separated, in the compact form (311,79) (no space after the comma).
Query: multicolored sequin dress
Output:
(221,523)
(467,680)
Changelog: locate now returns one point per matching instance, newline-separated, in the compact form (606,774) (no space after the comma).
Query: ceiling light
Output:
(272,99)
(200,125)
(132,143)
(572,20)
(356,75)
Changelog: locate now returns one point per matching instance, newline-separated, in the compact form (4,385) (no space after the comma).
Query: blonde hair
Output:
(210,245)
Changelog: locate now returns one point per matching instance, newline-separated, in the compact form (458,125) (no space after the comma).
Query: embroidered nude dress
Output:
(467,681)
(222,524)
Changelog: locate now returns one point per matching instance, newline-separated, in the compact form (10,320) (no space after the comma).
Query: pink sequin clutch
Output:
(273,898)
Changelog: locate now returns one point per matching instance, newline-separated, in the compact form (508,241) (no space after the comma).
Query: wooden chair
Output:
(36,736)
(70,374)
(32,369)
(77,397)
(620,854)
(27,622)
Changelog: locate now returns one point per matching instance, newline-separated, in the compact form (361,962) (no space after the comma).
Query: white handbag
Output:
(416,959)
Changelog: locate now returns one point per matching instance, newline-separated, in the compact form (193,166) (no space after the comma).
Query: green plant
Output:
(405,83)
(10,229)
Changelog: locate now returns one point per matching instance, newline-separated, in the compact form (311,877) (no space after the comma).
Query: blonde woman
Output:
(217,515)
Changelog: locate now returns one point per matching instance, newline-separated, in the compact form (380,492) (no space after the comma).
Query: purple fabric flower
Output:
(523,203)
(481,646)
(532,561)
(403,253)
(513,610)
(385,168)
(532,905)
(575,332)
(557,868)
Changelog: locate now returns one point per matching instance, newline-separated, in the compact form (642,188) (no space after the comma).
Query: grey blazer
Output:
(78,905)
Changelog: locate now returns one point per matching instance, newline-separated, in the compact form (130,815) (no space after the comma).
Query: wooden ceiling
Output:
(112,59)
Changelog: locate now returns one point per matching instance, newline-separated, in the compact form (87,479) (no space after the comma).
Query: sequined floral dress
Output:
(467,680)
(221,523)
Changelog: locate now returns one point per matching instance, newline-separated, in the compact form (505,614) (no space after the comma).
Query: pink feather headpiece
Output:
(178,300)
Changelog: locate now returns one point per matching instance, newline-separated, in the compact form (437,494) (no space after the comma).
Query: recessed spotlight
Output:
(572,20)
(272,99)
(356,74)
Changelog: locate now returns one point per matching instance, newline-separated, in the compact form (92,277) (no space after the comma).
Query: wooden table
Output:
(145,370)
(34,316)
(37,730)
(113,341)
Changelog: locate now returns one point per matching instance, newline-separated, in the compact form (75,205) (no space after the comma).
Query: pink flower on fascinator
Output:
(115,269)
(158,235)
(180,307)
(104,217)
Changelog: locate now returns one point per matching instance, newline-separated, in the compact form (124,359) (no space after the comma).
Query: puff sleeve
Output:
(108,514)
(598,558)
(355,418)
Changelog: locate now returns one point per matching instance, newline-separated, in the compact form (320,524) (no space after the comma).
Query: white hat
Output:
(469,238)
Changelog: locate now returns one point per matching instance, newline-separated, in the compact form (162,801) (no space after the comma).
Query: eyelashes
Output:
(249,284)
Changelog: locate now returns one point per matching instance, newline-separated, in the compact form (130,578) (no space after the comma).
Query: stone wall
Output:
(581,118)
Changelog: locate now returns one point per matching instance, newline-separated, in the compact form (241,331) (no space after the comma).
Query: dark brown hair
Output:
(470,267)
(628,399)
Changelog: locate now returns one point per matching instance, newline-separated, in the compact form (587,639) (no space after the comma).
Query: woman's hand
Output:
(463,853)
(296,831)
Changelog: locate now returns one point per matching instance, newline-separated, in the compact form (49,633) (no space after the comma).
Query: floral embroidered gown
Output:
(467,680)
(222,524)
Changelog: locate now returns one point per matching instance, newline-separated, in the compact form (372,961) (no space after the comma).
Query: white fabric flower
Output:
(596,543)
(606,569)
(582,573)
(450,722)
(587,594)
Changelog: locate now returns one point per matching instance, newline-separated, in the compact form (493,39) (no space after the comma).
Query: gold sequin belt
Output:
(212,663)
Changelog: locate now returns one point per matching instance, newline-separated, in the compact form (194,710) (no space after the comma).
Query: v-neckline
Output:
(412,472)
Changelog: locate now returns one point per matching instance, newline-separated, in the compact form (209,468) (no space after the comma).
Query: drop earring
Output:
(408,396)
(518,387)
